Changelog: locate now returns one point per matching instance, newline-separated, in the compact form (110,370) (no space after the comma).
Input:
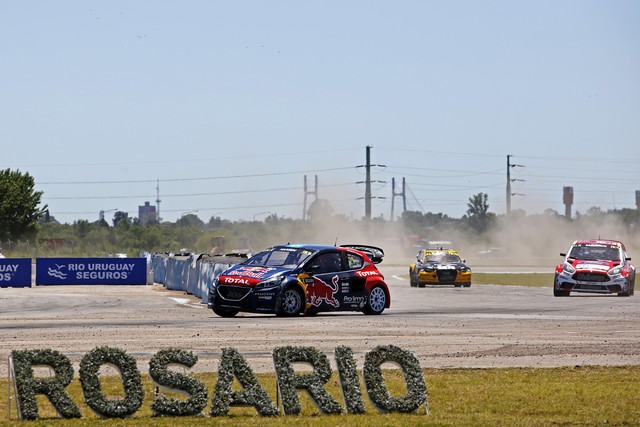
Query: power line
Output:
(144,181)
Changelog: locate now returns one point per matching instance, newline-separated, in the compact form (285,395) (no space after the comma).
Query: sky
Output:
(221,108)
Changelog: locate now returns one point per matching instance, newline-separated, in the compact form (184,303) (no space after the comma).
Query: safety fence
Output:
(189,273)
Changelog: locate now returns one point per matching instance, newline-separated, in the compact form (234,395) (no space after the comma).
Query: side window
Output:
(328,263)
(354,261)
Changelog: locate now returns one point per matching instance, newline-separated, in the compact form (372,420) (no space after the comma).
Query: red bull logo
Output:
(320,291)
(253,272)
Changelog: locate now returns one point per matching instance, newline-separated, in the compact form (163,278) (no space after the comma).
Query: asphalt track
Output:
(480,326)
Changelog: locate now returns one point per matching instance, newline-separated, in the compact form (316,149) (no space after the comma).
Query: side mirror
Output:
(561,254)
(627,259)
(312,269)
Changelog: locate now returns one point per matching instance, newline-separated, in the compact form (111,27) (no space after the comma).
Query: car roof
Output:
(600,242)
(311,247)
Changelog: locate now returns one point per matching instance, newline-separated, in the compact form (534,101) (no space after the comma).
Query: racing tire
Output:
(559,293)
(420,285)
(225,312)
(376,301)
(468,285)
(291,303)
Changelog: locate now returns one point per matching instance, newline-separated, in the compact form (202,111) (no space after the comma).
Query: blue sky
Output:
(226,106)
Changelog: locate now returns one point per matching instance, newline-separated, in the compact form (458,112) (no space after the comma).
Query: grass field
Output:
(517,279)
(572,396)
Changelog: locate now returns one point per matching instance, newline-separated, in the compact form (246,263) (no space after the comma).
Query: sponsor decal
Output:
(596,266)
(15,272)
(320,291)
(349,299)
(235,280)
(89,271)
(366,273)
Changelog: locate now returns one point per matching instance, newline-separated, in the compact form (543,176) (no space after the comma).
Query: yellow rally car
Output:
(439,267)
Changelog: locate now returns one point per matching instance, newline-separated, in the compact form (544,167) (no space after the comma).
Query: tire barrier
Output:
(190,273)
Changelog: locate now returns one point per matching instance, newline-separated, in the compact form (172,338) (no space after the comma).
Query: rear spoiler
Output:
(376,254)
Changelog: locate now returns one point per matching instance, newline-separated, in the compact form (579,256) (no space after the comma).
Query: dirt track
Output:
(481,326)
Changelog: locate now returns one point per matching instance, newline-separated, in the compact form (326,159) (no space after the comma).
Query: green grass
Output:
(573,396)
(517,279)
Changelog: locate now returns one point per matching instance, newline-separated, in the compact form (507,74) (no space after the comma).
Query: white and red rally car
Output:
(595,266)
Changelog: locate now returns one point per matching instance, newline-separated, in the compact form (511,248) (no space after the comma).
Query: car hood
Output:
(248,275)
(581,264)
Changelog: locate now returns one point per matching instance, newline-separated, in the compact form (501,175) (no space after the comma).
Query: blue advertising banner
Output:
(91,271)
(15,272)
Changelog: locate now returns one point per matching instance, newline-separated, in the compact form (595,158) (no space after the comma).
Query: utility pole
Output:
(367,188)
(158,201)
(509,180)
(367,183)
(314,192)
(394,194)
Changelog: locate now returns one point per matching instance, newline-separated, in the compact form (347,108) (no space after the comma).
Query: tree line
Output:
(27,229)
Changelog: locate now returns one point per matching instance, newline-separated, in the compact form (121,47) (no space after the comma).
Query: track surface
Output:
(480,326)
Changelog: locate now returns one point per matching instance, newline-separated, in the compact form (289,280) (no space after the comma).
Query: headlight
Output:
(615,271)
(568,268)
(214,283)
(270,282)
(427,269)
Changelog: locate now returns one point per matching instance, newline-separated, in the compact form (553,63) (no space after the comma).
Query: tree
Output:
(320,209)
(121,218)
(190,220)
(477,215)
(19,211)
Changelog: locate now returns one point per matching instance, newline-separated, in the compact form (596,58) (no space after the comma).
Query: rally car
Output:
(439,267)
(291,279)
(595,266)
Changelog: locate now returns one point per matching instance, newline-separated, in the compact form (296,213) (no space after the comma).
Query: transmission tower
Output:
(307,192)
(394,194)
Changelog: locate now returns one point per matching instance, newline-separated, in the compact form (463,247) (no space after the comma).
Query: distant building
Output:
(146,213)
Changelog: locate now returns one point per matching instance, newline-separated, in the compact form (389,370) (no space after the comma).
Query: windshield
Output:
(595,253)
(441,257)
(280,257)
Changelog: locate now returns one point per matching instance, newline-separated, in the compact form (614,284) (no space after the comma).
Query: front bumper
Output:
(602,284)
(243,298)
(444,277)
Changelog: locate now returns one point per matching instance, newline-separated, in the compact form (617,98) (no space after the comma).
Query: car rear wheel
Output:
(290,303)
(225,312)
(376,301)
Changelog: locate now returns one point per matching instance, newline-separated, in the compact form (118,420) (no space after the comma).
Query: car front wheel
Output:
(413,281)
(290,303)
(376,301)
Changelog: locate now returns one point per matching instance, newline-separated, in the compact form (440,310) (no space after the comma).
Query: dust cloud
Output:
(516,241)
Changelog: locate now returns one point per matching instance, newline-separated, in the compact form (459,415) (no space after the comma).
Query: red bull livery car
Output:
(291,279)
(595,266)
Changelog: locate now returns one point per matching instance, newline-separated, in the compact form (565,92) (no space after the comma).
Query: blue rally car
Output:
(291,279)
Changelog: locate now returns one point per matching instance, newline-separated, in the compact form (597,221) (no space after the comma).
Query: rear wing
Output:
(376,254)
